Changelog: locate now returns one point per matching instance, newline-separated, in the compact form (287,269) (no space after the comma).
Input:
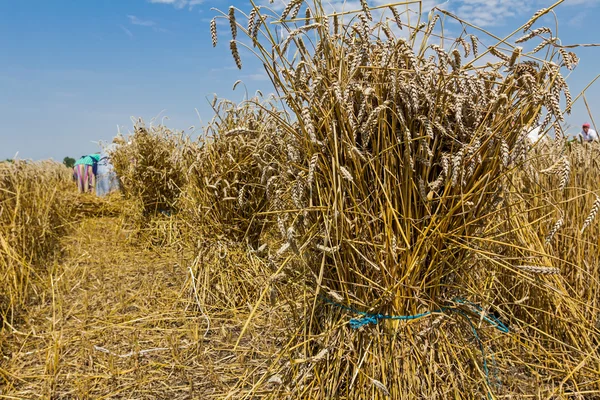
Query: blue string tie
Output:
(368,319)
(356,323)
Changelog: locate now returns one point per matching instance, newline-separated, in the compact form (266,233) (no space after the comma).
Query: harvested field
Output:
(118,323)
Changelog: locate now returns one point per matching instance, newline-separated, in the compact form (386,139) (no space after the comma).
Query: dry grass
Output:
(34,204)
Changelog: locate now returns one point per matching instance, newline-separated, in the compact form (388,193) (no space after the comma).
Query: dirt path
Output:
(117,323)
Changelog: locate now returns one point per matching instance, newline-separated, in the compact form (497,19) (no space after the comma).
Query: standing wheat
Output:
(336,24)
(536,269)
(565,170)
(457,166)
(235,54)
(232,23)
(312,165)
(251,20)
(291,5)
(554,229)
(346,174)
(504,151)
(515,54)
(525,37)
(475,44)
(240,198)
(465,45)
(256,28)
(499,54)
(365,8)
(456,59)
(534,18)
(308,124)
(296,10)
(213,32)
(396,17)
(592,215)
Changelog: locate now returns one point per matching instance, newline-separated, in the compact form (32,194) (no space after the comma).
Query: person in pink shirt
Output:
(588,134)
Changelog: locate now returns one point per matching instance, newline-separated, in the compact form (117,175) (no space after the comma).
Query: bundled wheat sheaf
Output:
(150,167)
(399,177)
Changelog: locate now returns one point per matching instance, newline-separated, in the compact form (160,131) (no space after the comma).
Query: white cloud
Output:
(224,68)
(491,12)
(133,20)
(127,31)
(485,13)
(590,3)
(260,76)
(141,22)
(479,12)
(179,4)
(577,19)
(482,13)
(342,6)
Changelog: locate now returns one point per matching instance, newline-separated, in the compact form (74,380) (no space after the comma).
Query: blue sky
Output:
(72,70)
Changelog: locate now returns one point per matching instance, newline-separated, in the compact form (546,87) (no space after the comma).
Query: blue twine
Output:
(492,320)
(486,370)
(368,318)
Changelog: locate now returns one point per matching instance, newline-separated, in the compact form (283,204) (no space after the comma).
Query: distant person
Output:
(534,135)
(84,172)
(589,135)
(106,178)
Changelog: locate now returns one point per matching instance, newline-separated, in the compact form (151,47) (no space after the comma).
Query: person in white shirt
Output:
(589,135)
(534,135)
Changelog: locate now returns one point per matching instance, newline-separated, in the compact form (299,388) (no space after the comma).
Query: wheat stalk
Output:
(536,269)
(535,17)
(553,231)
(592,215)
(396,16)
(235,54)
(213,32)
(232,23)
(565,171)
(366,10)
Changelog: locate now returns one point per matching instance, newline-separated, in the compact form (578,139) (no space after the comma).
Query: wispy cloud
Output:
(133,20)
(127,31)
(479,12)
(260,77)
(332,6)
(590,3)
(491,12)
(141,22)
(179,4)
(496,12)
(577,19)
(224,68)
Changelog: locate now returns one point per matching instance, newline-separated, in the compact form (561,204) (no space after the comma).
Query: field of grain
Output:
(379,228)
